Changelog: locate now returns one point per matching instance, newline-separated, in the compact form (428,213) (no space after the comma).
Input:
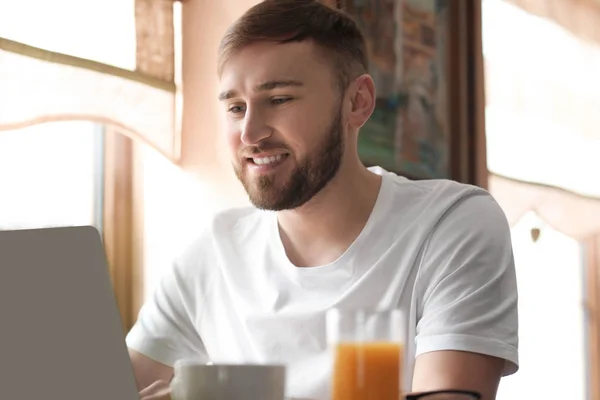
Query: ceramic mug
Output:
(197,381)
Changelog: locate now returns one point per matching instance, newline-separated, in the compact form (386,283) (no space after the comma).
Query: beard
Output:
(307,179)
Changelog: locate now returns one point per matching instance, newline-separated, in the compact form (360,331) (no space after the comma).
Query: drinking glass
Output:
(367,350)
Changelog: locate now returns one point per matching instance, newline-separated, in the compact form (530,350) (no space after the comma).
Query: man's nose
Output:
(254,128)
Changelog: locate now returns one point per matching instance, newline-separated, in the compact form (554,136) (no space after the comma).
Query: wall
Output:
(177,203)
(204,22)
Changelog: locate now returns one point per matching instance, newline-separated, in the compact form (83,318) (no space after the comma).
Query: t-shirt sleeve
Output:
(468,283)
(164,330)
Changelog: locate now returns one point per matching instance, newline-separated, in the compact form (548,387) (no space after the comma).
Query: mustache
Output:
(262,148)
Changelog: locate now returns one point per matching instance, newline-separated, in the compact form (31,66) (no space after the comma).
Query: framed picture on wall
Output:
(422,61)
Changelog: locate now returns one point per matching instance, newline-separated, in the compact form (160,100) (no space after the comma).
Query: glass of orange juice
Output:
(368,352)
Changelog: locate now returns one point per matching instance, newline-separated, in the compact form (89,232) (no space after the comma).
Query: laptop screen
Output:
(61,335)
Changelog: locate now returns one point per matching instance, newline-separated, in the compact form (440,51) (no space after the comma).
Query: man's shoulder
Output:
(463,216)
(435,197)
(423,205)
(464,204)
(426,188)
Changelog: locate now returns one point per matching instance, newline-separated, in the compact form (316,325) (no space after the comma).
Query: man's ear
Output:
(362,100)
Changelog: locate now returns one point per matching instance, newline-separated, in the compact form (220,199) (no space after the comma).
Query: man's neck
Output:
(320,231)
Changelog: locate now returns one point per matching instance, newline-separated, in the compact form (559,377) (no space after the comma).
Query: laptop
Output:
(61,335)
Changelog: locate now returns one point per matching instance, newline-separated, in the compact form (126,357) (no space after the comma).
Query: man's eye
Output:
(280,100)
(236,109)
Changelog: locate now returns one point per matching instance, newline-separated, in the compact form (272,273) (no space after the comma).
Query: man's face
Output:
(284,122)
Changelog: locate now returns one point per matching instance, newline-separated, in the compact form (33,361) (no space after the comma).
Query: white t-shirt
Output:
(438,250)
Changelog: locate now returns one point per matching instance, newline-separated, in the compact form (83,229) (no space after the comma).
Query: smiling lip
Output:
(264,163)
(265,154)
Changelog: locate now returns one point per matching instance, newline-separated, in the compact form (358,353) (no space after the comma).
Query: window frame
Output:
(592,311)
(122,222)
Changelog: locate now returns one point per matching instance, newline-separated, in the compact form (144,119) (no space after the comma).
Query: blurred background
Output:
(108,117)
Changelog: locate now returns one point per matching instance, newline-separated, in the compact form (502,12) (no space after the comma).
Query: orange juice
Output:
(367,371)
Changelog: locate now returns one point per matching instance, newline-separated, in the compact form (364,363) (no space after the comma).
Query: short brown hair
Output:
(284,21)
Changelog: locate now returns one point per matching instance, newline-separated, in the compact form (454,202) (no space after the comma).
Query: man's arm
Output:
(164,331)
(467,330)
(449,369)
(147,371)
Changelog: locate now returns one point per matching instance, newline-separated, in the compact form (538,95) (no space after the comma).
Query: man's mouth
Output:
(267,160)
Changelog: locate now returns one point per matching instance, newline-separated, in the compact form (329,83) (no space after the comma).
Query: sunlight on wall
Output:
(533,145)
(529,148)
(551,321)
(550,51)
(176,207)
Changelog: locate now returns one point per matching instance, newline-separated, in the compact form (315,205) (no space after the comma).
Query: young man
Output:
(326,231)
